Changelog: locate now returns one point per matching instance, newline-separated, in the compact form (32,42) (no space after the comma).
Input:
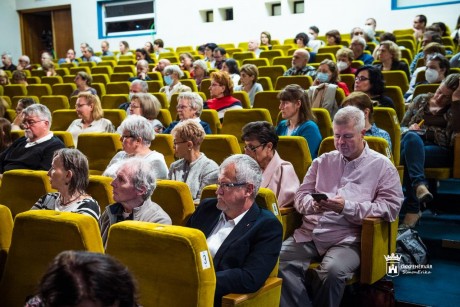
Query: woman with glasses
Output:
(189,106)
(261,140)
(91,117)
(172,74)
(249,74)
(83,82)
(298,118)
(148,106)
(193,167)
(369,80)
(200,69)
(389,55)
(221,91)
(136,136)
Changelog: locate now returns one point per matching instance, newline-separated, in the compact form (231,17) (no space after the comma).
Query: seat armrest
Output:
(268,295)
(291,220)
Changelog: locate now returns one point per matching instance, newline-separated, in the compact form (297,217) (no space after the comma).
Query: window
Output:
(126,18)
(207,15)
(296,6)
(273,9)
(226,13)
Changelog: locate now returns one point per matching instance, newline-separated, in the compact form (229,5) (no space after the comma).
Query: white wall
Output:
(179,21)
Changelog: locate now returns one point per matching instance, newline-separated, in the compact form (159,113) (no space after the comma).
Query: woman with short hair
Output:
(389,55)
(200,68)
(248,78)
(172,74)
(83,82)
(221,91)
(369,80)
(148,106)
(231,67)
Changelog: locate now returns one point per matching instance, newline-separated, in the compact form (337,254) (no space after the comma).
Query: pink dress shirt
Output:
(369,184)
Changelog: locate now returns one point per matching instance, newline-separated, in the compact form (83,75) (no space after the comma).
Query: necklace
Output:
(61,199)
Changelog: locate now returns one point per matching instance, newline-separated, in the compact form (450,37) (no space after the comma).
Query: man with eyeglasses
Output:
(34,150)
(299,62)
(219,55)
(244,240)
(358,44)
(354,183)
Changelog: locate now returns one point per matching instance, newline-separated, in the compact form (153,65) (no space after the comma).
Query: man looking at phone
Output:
(358,183)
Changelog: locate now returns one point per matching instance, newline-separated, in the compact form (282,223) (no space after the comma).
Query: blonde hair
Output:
(189,130)
(94,101)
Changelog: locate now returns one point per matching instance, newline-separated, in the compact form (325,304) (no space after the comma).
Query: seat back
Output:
(38,237)
(101,78)
(6,232)
(15,100)
(155,85)
(162,98)
(55,102)
(257,62)
(12,90)
(164,117)
(266,83)
(61,119)
(124,68)
(65,137)
(323,119)
(51,80)
(113,101)
(100,189)
(273,72)
(269,101)
(295,150)
(91,145)
(102,70)
(303,81)
(65,89)
(116,116)
(164,144)
(270,54)
(99,87)
(396,78)
(395,93)
(425,88)
(211,117)
(176,200)
(217,147)
(349,80)
(386,119)
(243,97)
(204,87)
(119,87)
(180,271)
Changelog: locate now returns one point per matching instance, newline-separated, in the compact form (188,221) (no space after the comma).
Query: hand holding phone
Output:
(319,196)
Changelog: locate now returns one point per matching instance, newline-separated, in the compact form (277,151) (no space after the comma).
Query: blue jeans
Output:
(416,154)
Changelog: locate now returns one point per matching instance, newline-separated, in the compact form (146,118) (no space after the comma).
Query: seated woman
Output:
(345,57)
(22,104)
(142,54)
(429,127)
(231,67)
(4,79)
(123,46)
(49,68)
(221,90)
(69,175)
(5,134)
(301,40)
(91,117)
(298,118)
(390,56)
(193,167)
(369,80)
(333,38)
(186,63)
(148,106)
(19,77)
(364,103)
(136,137)
(200,69)
(83,82)
(248,78)
(266,40)
(261,140)
(189,106)
(172,74)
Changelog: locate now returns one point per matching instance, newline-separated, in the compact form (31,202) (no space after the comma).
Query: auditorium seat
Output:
(113,101)
(217,147)
(61,119)
(121,87)
(424,89)
(386,119)
(52,80)
(349,80)
(396,78)
(124,68)
(240,56)
(155,85)
(99,87)
(266,83)
(259,62)
(39,90)
(75,70)
(324,121)
(55,102)
(65,89)
(107,70)
(116,116)
(303,81)
(176,200)
(66,138)
(164,144)
(243,97)
(12,90)
(100,189)
(295,150)
(14,100)
(121,76)
(101,78)
(211,117)
(324,56)
(190,83)
(6,231)
(395,93)
(285,61)
(99,148)
(270,55)
(268,100)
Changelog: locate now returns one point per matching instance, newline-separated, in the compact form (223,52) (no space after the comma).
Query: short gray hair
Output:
(139,126)
(195,100)
(142,63)
(246,170)
(8,55)
(25,58)
(75,161)
(305,53)
(170,69)
(348,114)
(202,64)
(142,174)
(39,110)
(144,85)
(360,40)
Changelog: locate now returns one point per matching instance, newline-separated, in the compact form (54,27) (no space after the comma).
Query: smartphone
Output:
(319,196)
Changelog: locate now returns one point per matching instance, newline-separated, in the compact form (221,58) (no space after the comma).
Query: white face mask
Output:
(341,65)
(431,75)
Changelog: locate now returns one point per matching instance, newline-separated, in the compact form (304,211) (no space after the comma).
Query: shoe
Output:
(423,195)
(411,220)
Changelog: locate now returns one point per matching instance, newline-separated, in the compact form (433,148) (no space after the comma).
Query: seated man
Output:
(133,186)
(88,56)
(300,59)
(142,69)
(243,239)
(358,45)
(137,86)
(34,150)
(358,183)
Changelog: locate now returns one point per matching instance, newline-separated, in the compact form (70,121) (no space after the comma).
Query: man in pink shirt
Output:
(358,183)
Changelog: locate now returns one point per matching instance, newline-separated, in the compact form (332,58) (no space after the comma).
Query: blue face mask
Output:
(322,77)
(168,80)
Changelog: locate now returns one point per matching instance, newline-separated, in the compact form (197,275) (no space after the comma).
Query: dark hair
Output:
(159,42)
(232,66)
(221,50)
(387,36)
(75,276)
(422,18)
(362,102)
(5,134)
(375,79)
(201,48)
(315,29)
(435,37)
(151,47)
(125,43)
(262,131)
(336,35)
(145,54)
(302,36)
(27,102)
(442,27)
(294,92)
(441,59)
(211,46)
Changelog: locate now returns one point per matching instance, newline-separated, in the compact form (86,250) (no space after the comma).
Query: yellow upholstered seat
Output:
(396,78)
(61,119)
(269,101)
(266,83)
(15,100)
(12,90)
(116,116)
(395,93)
(121,76)
(65,137)
(51,80)
(87,64)
(162,98)
(38,237)
(75,70)
(324,121)
(303,81)
(100,189)
(180,270)
(240,56)
(273,72)
(243,97)
(211,117)
(270,55)
(425,88)
(6,231)
(323,56)
(217,147)
(349,80)
(190,83)
(176,200)
(101,78)
(204,87)
(164,117)
(164,144)
(99,148)
(386,119)
(108,60)
(65,89)
(155,85)
(121,87)
(257,62)
(295,150)
(106,70)
(124,68)
(113,101)
(100,88)
(285,61)
(38,73)
(55,102)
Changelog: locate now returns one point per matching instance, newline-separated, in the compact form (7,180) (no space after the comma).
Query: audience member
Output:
(186,63)
(298,118)
(365,104)
(142,69)
(19,77)
(369,36)
(429,127)
(358,44)
(148,46)
(193,167)
(189,106)
(358,183)
(34,150)
(221,91)
(219,55)
(133,185)
(83,82)
(209,53)
(314,43)
(162,64)
(278,175)
(80,278)
(455,61)
(105,47)
(136,136)
(253,46)
(456,32)
(243,256)
(49,68)
(148,106)
(419,25)
(70,58)
(428,37)
(4,80)
(357,32)
(137,86)
(24,63)
(88,56)
(200,69)
(22,104)
(201,50)
(90,117)
(172,75)
(266,40)
(231,67)
(301,40)
(7,61)
(369,80)
(124,49)
(371,22)
(300,59)
(82,48)
(142,54)
(248,79)
(45,58)
(158,45)
(389,55)
(69,175)
(5,134)
(333,38)
(4,105)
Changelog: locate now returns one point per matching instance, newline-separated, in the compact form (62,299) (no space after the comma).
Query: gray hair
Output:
(25,58)
(39,110)
(76,162)
(142,174)
(305,53)
(348,114)
(90,50)
(202,64)
(8,55)
(170,69)
(139,126)
(360,40)
(142,63)
(144,85)
(195,100)
(246,170)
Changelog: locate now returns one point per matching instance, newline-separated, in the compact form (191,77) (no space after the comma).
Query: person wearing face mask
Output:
(322,92)
(344,58)
(172,75)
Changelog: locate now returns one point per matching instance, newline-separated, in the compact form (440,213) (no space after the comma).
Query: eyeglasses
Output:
(181,106)
(77,106)
(358,33)
(28,123)
(361,78)
(253,148)
(133,106)
(226,186)
(124,137)
(177,143)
